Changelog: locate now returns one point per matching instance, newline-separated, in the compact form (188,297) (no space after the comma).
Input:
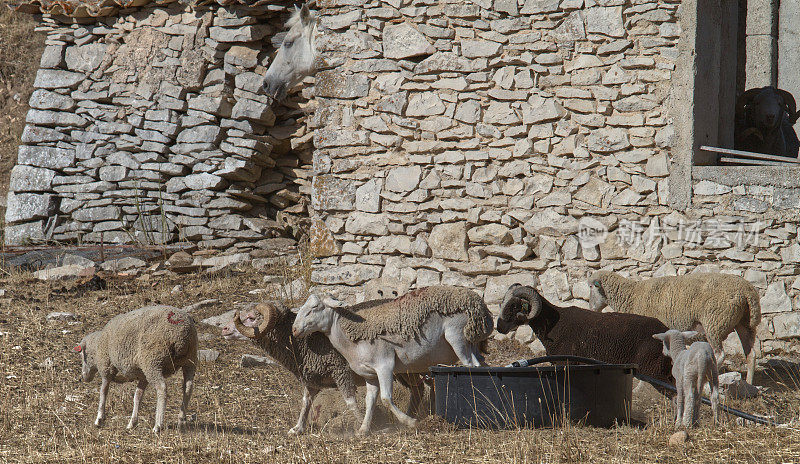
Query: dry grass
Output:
(20,51)
(46,414)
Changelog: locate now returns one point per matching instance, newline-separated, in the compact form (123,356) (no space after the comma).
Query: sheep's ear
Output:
(295,310)
(690,334)
(660,336)
(332,302)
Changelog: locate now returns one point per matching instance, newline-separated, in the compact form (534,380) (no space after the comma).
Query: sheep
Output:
(609,337)
(420,329)
(692,368)
(719,303)
(313,360)
(145,345)
(764,120)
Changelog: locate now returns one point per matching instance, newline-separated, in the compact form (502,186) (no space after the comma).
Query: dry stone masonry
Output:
(486,142)
(150,126)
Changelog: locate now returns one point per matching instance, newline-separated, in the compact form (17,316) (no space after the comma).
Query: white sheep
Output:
(717,303)
(692,367)
(429,326)
(145,345)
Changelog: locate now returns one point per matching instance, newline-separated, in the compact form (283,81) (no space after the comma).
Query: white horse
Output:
(296,56)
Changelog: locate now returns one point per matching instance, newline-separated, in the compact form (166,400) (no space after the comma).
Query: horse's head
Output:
(295,58)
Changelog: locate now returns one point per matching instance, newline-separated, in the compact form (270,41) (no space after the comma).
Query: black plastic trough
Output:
(511,397)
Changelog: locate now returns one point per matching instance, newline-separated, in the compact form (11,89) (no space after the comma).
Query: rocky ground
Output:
(242,413)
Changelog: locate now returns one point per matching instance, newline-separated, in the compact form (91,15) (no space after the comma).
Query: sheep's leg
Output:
(714,381)
(385,378)
(101,408)
(417,390)
(372,395)
(308,398)
(188,386)
(137,399)
(462,348)
(689,404)
(348,392)
(679,399)
(161,403)
(716,344)
(747,338)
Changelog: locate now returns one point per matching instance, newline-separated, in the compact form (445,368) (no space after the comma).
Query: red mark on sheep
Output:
(171,320)
(77,349)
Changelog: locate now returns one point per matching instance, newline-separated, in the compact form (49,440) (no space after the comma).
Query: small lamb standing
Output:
(719,303)
(692,367)
(145,345)
(423,328)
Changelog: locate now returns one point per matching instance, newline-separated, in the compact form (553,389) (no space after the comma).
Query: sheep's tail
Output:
(479,326)
(754,308)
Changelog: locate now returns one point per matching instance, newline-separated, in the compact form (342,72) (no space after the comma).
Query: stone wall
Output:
(485,142)
(151,126)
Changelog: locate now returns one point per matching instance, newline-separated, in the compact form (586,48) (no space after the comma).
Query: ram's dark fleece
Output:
(610,337)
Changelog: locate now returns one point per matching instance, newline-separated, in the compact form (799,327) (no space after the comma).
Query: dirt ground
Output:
(242,415)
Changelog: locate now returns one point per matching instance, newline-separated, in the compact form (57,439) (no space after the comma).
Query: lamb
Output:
(312,359)
(609,337)
(719,303)
(692,368)
(145,345)
(420,329)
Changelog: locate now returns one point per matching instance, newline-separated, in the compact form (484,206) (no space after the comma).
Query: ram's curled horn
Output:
(745,99)
(267,311)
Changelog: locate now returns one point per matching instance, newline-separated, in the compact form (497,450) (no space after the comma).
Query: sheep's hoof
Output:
(99,422)
(157,429)
(131,425)
(412,423)
(296,430)
(362,432)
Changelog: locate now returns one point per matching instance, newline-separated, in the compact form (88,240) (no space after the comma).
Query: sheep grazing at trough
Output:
(610,337)
(764,122)
(692,368)
(311,359)
(719,303)
(423,328)
(145,345)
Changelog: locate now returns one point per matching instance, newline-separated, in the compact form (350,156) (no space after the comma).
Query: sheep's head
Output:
(88,350)
(764,107)
(520,304)
(674,338)
(597,295)
(316,315)
(244,322)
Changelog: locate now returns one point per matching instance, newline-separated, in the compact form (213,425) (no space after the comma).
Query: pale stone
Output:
(22,207)
(359,223)
(608,140)
(449,241)
(403,179)
(368,196)
(391,244)
(775,299)
(480,48)
(404,41)
(786,326)
(425,104)
(490,234)
(538,110)
(605,20)
(554,285)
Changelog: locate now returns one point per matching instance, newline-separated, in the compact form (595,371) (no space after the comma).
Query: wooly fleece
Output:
(153,338)
(405,316)
(610,337)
